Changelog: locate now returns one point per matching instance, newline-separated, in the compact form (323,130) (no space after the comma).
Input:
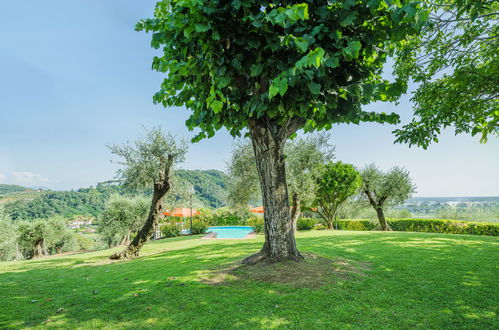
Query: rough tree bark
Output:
(161,187)
(268,139)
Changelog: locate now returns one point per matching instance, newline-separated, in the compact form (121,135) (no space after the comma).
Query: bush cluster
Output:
(361,225)
(170,230)
(199,227)
(306,223)
(222,217)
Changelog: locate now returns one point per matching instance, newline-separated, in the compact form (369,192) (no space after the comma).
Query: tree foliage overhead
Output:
(455,60)
(311,63)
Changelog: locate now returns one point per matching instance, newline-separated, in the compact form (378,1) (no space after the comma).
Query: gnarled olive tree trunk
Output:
(378,206)
(268,139)
(161,187)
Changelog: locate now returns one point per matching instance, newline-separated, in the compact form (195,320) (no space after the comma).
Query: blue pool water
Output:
(231,231)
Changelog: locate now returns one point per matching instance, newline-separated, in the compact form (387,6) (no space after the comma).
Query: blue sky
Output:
(75,76)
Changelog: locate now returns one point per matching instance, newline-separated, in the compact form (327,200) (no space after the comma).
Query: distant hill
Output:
(22,203)
(210,185)
(11,188)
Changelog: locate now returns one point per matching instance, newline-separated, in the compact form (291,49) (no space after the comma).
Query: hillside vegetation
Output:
(389,280)
(22,203)
(11,188)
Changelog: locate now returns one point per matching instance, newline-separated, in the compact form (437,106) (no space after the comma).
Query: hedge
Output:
(426,225)
(445,226)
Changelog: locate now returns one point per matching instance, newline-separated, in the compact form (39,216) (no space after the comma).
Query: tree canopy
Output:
(335,182)
(299,63)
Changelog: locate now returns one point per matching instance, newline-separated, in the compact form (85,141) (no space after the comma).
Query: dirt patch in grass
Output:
(313,272)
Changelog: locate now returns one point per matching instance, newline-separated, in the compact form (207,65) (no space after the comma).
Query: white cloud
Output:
(26,177)
(2,177)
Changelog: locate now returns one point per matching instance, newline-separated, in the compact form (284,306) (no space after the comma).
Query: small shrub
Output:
(257,223)
(319,226)
(84,242)
(199,227)
(306,223)
(170,230)
(359,225)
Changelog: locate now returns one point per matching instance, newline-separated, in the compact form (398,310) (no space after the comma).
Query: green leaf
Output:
(256,69)
(347,4)
(315,57)
(236,4)
(349,19)
(217,106)
(315,88)
(352,50)
(332,62)
(301,44)
(283,86)
(273,91)
(202,27)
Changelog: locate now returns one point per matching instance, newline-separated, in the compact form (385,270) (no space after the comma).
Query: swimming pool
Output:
(231,231)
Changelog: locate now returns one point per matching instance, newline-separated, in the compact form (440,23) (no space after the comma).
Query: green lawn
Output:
(411,280)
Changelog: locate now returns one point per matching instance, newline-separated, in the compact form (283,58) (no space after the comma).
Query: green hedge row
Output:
(426,225)
(445,226)
(418,225)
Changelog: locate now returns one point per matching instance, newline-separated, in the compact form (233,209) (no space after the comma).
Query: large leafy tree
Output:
(385,189)
(335,183)
(456,64)
(146,164)
(274,67)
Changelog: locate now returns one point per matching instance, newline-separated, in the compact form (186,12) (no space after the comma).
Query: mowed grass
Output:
(413,280)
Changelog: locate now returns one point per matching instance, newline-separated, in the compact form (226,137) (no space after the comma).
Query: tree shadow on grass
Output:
(403,288)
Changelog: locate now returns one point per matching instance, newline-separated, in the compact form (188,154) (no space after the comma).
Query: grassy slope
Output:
(416,280)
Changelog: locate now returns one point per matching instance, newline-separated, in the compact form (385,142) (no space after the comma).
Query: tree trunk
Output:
(268,140)
(382,220)
(295,210)
(161,187)
(126,238)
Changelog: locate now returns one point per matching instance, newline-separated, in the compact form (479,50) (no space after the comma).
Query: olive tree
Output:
(42,237)
(384,190)
(121,217)
(148,163)
(270,68)
(335,183)
(8,237)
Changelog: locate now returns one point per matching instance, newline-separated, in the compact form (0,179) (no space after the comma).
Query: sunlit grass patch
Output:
(359,279)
